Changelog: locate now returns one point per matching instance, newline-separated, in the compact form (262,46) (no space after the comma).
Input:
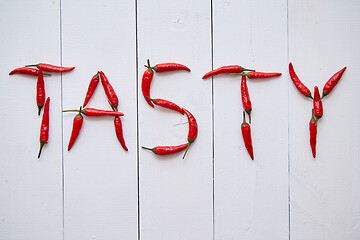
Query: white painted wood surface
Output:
(30,188)
(250,200)
(100,187)
(99,191)
(325,192)
(175,194)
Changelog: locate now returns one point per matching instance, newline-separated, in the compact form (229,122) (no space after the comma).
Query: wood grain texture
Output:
(324,191)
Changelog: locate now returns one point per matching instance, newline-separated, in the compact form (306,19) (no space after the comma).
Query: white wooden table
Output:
(99,191)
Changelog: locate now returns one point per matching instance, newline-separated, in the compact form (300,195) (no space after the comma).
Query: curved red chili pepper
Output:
(27,71)
(246,133)
(165,67)
(253,75)
(313,133)
(298,84)
(119,132)
(167,104)
(331,83)
(109,91)
(245,97)
(318,107)
(44,129)
(146,83)
(51,68)
(164,150)
(40,91)
(193,129)
(93,112)
(77,124)
(91,89)
(226,69)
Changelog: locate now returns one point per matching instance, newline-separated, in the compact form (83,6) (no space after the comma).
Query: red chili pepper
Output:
(91,89)
(27,70)
(146,83)
(44,130)
(93,112)
(226,69)
(313,133)
(77,124)
(331,83)
(252,75)
(40,91)
(245,97)
(318,107)
(246,133)
(119,132)
(298,84)
(51,68)
(165,67)
(109,91)
(167,104)
(164,150)
(193,129)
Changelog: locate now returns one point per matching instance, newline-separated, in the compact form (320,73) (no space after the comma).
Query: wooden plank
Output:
(175,194)
(251,197)
(324,191)
(101,181)
(100,177)
(30,202)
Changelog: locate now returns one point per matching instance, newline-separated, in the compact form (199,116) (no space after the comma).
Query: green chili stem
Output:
(39,109)
(32,65)
(70,110)
(187,148)
(151,149)
(151,99)
(245,69)
(241,74)
(42,144)
(149,67)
